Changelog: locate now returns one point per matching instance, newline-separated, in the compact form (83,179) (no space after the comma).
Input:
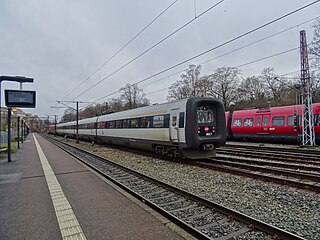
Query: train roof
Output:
(156,109)
(275,110)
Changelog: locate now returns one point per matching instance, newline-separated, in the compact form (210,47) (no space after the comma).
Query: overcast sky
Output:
(60,43)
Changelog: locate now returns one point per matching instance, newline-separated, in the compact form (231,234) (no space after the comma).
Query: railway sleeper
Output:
(198,215)
(213,223)
(193,205)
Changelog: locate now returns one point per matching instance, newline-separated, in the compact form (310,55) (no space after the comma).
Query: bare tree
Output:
(133,97)
(225,82)
(87,112)
(190,78)
(68,115)
(251,89)
(178,90)
(314,47)
(314,53)
(272,83)
(188,86)
(204,86)
(115,105)
(251,93)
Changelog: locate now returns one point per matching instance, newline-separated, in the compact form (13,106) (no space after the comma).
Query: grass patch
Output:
(13,147)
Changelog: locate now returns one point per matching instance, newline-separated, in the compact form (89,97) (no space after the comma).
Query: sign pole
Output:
(18,132)
(22,132)
(9,134)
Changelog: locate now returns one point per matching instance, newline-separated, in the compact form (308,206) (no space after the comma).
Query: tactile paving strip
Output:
(68,223)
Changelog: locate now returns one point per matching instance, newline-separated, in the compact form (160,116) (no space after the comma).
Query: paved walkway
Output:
(47,194)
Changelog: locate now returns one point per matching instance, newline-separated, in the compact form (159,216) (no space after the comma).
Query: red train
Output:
(276,124)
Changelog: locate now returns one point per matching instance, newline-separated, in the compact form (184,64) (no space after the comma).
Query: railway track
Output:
(202,218)
(284,166)
(306,156)
(250,164)
(277,156)
(282,176)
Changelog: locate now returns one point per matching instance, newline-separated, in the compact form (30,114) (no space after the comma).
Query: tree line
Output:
(225,83)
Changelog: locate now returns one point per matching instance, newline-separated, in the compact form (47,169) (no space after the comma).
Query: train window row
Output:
(158,121)
(276,121)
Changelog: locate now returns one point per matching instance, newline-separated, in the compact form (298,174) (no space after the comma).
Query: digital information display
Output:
(20,98)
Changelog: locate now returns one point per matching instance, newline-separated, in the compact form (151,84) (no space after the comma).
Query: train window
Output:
(265,121)
(146,122)
(316,119)
(248,122)
(158,121)
(237,122)
(126,123)
(119,124)
(181,120)
(166,120)
(258,122)
(290,121)
(206,115)
(135,123)
(101,125)
(112,124)
(278,121)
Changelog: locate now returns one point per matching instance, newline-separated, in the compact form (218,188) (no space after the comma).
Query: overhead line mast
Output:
(308,136)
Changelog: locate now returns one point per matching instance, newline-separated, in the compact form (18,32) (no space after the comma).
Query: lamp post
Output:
(20,79)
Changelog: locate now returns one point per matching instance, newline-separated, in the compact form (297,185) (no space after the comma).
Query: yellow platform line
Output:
(68,223)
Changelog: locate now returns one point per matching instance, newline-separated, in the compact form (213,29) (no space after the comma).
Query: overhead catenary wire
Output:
(280,76)
(270,56)
(218,46)
(229,41)
(150,48)
(122,48)
(244,64)
(235,50)
(239,66)
(224,54)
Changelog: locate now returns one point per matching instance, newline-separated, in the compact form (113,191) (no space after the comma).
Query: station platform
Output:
(47,194)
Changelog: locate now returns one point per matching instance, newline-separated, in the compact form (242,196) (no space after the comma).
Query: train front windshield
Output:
(206,120)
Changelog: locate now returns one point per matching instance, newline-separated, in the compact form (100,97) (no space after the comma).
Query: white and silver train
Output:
(190,128)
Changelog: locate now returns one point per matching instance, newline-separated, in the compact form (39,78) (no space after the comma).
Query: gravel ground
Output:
(295,210)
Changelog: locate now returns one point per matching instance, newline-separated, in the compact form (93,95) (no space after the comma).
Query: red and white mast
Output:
(308,136)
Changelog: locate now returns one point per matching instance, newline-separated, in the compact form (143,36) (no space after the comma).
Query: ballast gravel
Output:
(294,210)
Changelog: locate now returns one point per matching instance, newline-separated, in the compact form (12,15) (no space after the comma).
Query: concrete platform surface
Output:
(39,200)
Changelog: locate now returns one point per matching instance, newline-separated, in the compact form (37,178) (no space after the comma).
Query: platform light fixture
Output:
(20,79)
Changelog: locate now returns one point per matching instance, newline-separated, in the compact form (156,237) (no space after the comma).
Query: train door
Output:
(173,128)
(262,122)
